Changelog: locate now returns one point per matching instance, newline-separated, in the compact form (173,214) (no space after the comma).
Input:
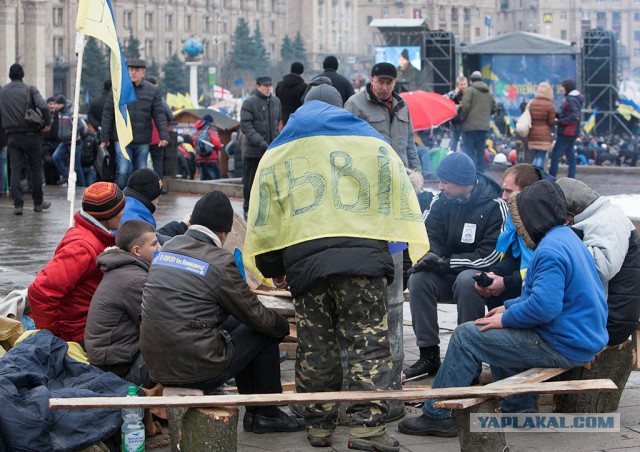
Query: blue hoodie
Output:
(562,299)
(136,210)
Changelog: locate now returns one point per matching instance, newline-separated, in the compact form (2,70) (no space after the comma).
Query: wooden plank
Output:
(287,386)
(535,375)
(555,387)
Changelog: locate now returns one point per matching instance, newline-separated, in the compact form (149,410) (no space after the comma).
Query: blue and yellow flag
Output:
(591,122)
(628,108)
(95,18)
(330,174)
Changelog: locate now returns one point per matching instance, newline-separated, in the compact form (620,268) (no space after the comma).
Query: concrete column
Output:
(33,37)
(8,21)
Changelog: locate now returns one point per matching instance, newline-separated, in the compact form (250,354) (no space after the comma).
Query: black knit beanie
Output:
(146,182)
(213,211)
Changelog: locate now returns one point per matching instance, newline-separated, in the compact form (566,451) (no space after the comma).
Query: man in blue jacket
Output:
(558,321)
(142,193)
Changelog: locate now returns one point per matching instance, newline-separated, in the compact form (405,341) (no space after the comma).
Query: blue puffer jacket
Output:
(134,209)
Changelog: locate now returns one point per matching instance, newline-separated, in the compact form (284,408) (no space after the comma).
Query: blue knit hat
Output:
(457,168)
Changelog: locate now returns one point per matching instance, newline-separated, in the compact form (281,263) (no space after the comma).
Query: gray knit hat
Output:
(324,93)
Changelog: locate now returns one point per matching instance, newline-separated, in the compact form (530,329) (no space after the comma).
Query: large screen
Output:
(391,54)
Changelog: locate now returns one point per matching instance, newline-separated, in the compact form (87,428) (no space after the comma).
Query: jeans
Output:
(473,144)
(90,175)
(138,154)
(455,140)
(3,169)
(508,351)
(209,171)
(59,156)
(424,154)
(157,158)
(538,159)
(564,145)
(25,151)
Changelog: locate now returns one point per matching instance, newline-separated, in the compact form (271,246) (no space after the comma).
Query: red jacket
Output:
(60,295)
(213,139)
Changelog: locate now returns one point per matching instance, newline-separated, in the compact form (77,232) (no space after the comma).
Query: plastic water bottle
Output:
(132,427)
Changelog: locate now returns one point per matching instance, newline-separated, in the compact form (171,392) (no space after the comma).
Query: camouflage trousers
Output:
(351,311)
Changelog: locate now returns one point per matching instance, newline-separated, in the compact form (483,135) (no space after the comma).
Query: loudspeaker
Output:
(599,59)
(440,60)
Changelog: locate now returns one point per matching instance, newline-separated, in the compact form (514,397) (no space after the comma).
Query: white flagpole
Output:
(71,190)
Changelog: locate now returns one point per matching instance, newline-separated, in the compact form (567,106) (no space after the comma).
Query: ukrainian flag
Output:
(591,122)
(512,125)
(628,108)
(330,174)
(95,18)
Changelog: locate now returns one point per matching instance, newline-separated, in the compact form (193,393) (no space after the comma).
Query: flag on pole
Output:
(591,122)
(221,93)
(512,125)
(96,18)
(628,108)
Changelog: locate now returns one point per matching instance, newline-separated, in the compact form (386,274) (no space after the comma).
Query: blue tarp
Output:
(38,369)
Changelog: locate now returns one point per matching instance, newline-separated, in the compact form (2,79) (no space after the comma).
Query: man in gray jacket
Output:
(260,118)
(23,138)
(387,112)
(148,106)
(476,109)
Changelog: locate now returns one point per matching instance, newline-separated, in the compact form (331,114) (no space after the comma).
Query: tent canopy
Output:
(521,43)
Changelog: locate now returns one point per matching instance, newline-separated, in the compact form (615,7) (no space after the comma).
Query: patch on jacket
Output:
(181,262)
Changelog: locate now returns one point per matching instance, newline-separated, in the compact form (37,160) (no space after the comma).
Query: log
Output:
(210,430)
(478,441)
(535,375)
(175,415)
(614,363)
(324,397)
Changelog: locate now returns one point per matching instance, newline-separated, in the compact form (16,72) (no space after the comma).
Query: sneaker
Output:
(425,426)
(44,206)
(17,210)
(428,364)
(381,443)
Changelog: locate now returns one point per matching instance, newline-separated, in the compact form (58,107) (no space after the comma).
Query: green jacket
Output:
(477,106)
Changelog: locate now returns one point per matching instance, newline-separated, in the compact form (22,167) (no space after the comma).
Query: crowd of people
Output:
(330,215)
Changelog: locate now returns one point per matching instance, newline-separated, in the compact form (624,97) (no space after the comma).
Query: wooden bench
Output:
(202,405)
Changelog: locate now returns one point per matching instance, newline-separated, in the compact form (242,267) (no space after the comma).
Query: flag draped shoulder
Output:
(330,174)
(95,18)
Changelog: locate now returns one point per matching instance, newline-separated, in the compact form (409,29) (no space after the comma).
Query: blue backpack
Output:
(204,147)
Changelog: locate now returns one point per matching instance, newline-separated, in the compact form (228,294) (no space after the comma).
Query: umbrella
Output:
(428,109)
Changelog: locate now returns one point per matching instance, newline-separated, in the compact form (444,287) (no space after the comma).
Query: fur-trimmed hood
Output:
(536,210)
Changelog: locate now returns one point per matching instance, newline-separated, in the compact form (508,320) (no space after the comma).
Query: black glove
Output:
(431,262)
(483,279)
(263,146)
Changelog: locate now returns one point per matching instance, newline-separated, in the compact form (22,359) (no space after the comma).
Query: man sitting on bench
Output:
(202,325)
(558,321)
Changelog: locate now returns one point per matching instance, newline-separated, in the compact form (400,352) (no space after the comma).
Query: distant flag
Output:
(220,93)
(512,125)
(494,128)
(628,108)
(591,122)
(87,99)
(238,81)
(487,73)
(172,100)
(96,18)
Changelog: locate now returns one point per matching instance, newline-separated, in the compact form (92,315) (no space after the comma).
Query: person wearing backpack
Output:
(65,125)
(207,145)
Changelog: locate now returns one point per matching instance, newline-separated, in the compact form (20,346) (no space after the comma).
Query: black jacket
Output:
(309,262)
(290,90)
(184,304)
(13,106)
(482,216)
(148,105)
(259,119)
(339,82)
(624,295)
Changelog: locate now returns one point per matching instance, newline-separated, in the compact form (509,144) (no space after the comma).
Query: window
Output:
(417,13)
(148,49)
(401,10)
(477,32)
(369,19)
(385,11)
(563,34)
(636,17)
(126,19)
(636,52)
(563,15)
(466,16)
(57,17)
(454,15)
(207,24)
(636,35)
(58,47)
(148,21)
(168,22)
(169,48)
(187,22)
(601,20)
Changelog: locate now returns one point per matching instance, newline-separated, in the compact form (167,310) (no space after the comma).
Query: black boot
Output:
(428,364)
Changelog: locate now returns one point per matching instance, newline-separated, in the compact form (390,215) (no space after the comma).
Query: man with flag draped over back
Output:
(329,194)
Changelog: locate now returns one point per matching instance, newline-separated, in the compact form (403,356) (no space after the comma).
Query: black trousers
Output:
(25,150)
(249,168)
(255,364)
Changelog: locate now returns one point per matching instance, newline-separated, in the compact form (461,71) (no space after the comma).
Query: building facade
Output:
(40,34)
